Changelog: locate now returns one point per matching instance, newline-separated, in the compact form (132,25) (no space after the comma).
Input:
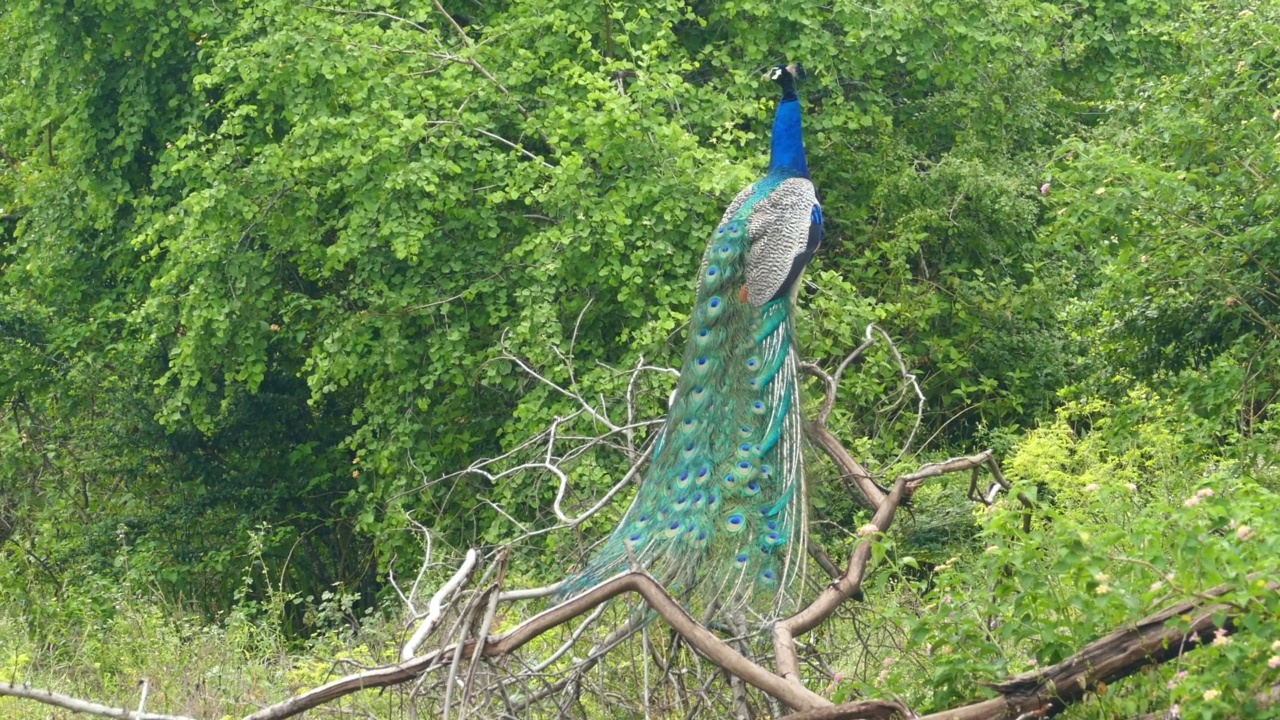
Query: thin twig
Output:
(435,608)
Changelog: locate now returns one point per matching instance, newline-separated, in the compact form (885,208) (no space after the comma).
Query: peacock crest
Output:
(719,518)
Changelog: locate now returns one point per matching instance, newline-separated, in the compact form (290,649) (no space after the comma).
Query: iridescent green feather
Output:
(719,518)
(719,515)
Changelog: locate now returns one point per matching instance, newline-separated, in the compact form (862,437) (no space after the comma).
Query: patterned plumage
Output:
(720,515)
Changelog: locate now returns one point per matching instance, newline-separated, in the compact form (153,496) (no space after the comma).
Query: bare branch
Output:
(494,136)
(849,585)
(868,709)
(530,593)
(596,415)
(374,13)
(824,561)
(435,608)
(463,33)
(871,494)
(617,488)
(697,636)
(916,479)
(81,706)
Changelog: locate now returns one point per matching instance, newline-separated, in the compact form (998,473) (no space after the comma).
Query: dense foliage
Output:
(262,265)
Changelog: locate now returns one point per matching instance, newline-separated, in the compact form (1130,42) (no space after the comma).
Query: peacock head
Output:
(786,76)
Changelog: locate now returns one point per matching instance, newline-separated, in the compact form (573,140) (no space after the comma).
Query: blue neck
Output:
(786,156)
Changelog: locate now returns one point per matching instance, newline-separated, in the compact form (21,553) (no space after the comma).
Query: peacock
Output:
(719,518)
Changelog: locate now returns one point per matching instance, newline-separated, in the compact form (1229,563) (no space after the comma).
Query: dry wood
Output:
(862,710)
(80,706)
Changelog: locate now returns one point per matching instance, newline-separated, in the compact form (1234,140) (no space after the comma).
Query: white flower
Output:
(1274,662)
(1244,532)
(1191,501)
(1092,487)
(868,529)
(1211,694)
(1220,637)
(1103,589)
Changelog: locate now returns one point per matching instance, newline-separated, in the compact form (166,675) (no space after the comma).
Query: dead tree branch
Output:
(861,710)
(81,706)
(435,608)
(697,636)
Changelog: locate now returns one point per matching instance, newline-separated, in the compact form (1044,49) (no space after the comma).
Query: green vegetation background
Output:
(260,263)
